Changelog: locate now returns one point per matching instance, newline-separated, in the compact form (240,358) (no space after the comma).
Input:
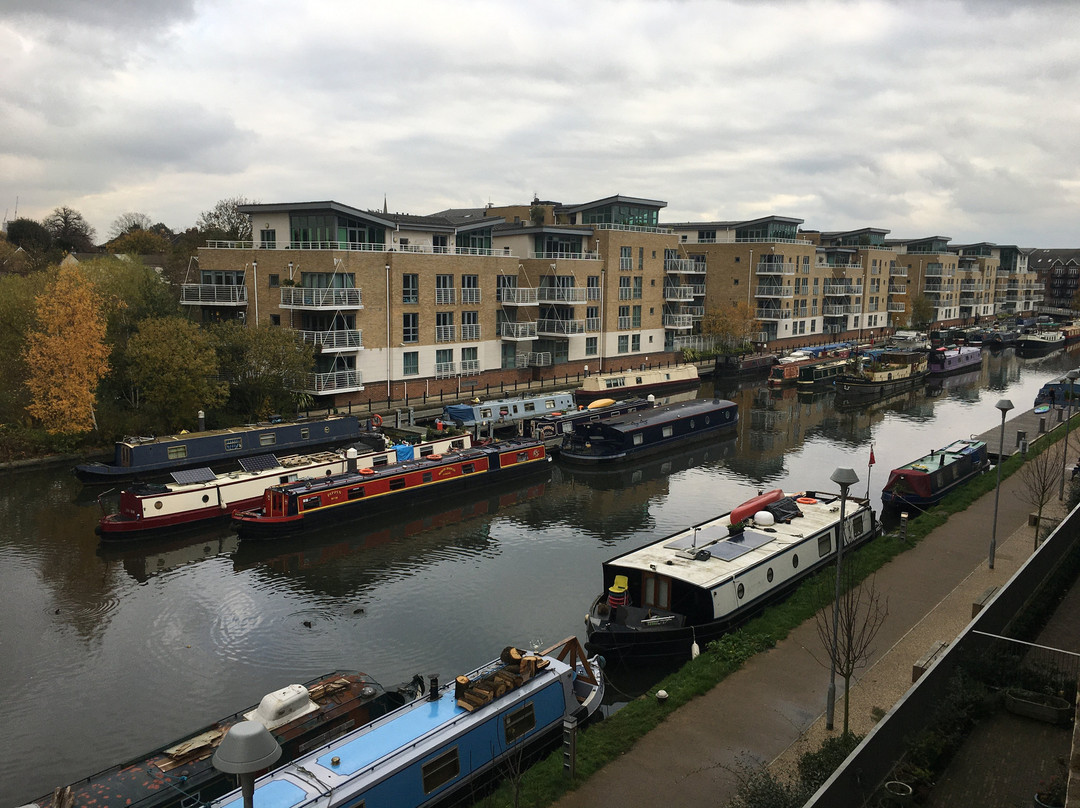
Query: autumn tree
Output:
(69,230)
(1040,477)
(139,242)
(175,370)
(922,311)
(128,223)
(225,221)
(266,368)
(66,355)
(734,326)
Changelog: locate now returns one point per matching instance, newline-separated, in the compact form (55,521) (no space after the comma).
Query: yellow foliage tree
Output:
(66,354)
(734,326)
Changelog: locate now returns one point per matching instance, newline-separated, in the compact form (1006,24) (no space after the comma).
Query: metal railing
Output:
(684,265)
(445,297)
(592,324)
(337,340)
(470,332)
(517,296)
(517,330)
(213,293)
(771,290)
(774,268)
(678,321)
(773,314)
(444,370)
(560,328)
(470,295)
(561,294)
(308,298)
(335,382)
(445,333)
(560,256)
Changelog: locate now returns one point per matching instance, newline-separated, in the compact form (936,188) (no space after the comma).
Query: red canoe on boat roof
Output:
(752,506)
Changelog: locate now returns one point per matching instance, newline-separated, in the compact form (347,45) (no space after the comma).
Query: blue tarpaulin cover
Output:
(404,452)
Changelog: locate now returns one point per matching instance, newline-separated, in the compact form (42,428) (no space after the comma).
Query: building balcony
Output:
(678,321)
(592,324)
(680,266)
(699,289)
(533,359)
(841,289)
(896,308)
(562,294)
(339,381)
(774,268)
(559,328)
(348,339)
(771,290)
(558,256)
(773,314)
(679,294)
(935,271)
(967,300)
(972,286)
(470,332)
(897,290)
(212,294)
(897,271)
(697,312)
(446,333)
(444,370)
(445,297)
(301,297)
(470,367)
(470,295)
(517,331)
(517,296)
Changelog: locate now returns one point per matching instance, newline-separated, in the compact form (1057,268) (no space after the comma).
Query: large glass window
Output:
(410,327)
(591,346)
(410,288)
(624,343)
(410,363)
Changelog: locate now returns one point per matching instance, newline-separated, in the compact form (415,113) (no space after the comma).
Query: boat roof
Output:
(662,414)
(231,430)
(680,554)
(944,456)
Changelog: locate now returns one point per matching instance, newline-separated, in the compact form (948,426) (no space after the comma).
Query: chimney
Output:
(350,459)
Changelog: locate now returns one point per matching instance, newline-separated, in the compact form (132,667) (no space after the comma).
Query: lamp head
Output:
(247,747)
(1073,374)
(844,477)
(1004,405)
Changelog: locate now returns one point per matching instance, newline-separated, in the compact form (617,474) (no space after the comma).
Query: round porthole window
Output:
(740,591)
(768,574)
(205,497)
(157,505)
(795,561)
(707,421)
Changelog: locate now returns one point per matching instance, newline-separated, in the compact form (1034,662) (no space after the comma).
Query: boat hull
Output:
(848,390)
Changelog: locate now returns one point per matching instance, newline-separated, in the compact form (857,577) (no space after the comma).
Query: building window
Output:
(273,280)
(268,239)
(591,346)
(624,343)
(410,288)
(440,244)
(444,326)
(626,258)
(637,288)
(410,327)
(410,363)
(444,289)
(275,319)
(635,317)
(635,342)
(641,258)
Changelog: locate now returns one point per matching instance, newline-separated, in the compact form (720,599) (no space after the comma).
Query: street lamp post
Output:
(247,747)
(845,478)
(1072,376)
(1003,406)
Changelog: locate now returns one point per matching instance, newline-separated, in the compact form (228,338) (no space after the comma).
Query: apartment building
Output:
(1058,272)
(391,299)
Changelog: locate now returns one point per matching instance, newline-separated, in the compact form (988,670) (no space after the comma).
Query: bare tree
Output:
(861,611)
(1039,477)
(129,222)
(70,230)
(225,219)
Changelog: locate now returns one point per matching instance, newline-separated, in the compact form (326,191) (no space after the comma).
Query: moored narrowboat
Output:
(507,412)
(648,432)
(924,482)
(199,495)
(953,359)
(295,506)
(181,774)
(551,428)
(637,382)
(660,600)
(744,364)
(882,373)
(1039,341)
(821,374)
(143,457)
(449,746)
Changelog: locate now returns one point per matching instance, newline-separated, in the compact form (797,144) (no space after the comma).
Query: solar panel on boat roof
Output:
(259,462)
(738,545)
(189,476)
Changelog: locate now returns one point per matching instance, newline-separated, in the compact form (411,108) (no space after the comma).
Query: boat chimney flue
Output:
(433,687)
(350,459)
(202,421)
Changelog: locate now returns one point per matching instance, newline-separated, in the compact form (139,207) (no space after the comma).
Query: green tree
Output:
(266,368)
(69,230)
(17,293)
(175,370)
(140,242)
(225,221)
(36,243)
(66,355)
(922,311)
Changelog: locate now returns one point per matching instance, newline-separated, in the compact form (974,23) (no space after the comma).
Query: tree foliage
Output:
(17,293)
(922,311)
(140,242)
(265,368)
(32,236)
(734,326)
(225,221)
(174,368)
(66,355)
(128,223)
(69,230)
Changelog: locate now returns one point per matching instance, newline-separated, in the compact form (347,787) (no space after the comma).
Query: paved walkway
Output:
(772,710)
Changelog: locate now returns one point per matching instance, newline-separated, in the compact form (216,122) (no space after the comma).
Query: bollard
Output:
(1021,436)
(1042,425)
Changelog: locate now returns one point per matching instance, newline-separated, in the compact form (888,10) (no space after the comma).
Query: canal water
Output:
(109,652)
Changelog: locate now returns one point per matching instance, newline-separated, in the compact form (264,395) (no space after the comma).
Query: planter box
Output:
(1051,709)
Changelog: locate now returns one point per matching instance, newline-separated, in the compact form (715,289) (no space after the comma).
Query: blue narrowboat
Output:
(649,431)
(507,412)
(924,482)
(953,359)
(291,507)
(552,428)
(135,457)
(444,748)
(1059,392)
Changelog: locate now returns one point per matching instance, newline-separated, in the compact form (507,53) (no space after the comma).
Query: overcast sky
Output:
(959,119)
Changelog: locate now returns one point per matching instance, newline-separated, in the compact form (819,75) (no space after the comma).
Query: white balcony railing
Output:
(771,290)
(678,321)
(592,324)
(561,294)
(470,295)
(517,296)
(560,328)
(445,333)
(339,381)
(444,370)
(470,332)
(773,314)
(470,367)
(679,293)
(339,340)
(193,294)
(517,330)
(302,297)
(897,307)
(774,268)
(445,297)
(680,266)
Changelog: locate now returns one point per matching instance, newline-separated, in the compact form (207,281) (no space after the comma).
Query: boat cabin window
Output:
(397,483)
(380,461)
(356,493)
(740,591)
(178,452)
(439,771)
(267,439)
(657,591)
(519,722)
(468,468)
(458,444)
(530,406)
(616,382)
(427,477)
(503,411)
(311,502)
(485,412)
(305,433)
(232,444)
(667,431)
(795,561)
(824,544)
(638,438)
(549,404)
